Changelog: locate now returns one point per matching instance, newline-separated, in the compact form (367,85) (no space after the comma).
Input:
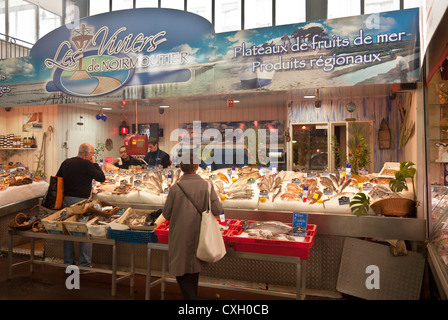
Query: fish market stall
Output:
(252,188)
(18,192)
(21,191)
(247,195)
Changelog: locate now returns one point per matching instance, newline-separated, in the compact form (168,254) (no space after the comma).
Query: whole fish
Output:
(335,179)
(219,187)
(292,187)
(240,194)
(277,182)
(291,196)
(327,182)
(315,197)
(242,181)
(345,184)
(247,170)
(223,177)
(275,195)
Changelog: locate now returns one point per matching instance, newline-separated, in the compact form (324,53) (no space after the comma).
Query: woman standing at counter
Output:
(186,201)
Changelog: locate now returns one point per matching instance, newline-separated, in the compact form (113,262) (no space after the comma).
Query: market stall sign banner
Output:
(152,52)
(359,50)
(100,54)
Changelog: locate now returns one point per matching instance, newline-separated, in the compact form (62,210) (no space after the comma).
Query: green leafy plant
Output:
(358,147)
(40,170)
(399,183)
(339,155)
(360,204)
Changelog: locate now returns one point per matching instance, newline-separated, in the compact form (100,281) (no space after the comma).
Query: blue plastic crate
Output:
(132,236)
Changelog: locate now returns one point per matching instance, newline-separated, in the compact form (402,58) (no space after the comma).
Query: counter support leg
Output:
(32,255)
(148,273)
(132,270)
(298,279)
(114,269)
(163,275)
(301,280)
(10,242)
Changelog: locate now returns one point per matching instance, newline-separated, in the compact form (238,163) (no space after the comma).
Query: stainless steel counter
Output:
(334,224)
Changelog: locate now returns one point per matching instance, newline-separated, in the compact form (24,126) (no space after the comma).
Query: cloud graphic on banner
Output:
(242,36)
(11,68)
(350,26)
(191,51)
(346,28)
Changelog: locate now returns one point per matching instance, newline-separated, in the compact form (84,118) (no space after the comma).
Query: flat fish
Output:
(327,182)
(272,226)
(242,181)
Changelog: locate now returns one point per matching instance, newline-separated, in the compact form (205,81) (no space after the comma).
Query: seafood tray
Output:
(298,249)
(78,208)
(101,208)
(76,226)
(162,231)
(54,222)
(98,231)
(132,236)
(388,170)
(138,219)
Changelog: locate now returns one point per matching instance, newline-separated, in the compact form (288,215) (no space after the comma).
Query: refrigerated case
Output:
(438,240)
(437,165)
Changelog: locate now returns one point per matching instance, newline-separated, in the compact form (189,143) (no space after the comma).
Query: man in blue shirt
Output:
(155,156)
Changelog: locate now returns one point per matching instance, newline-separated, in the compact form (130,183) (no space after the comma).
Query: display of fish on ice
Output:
(274,230)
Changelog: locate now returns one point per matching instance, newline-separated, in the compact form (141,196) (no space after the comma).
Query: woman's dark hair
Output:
(192,165)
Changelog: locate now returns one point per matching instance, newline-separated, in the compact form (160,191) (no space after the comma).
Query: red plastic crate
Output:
(162,231)
(274,247)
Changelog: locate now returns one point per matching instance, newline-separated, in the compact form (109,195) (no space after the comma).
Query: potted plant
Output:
(399,183)
(360,204)
(398,206)
(358,149)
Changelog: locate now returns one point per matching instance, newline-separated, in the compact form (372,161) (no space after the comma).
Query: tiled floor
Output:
(48,283)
